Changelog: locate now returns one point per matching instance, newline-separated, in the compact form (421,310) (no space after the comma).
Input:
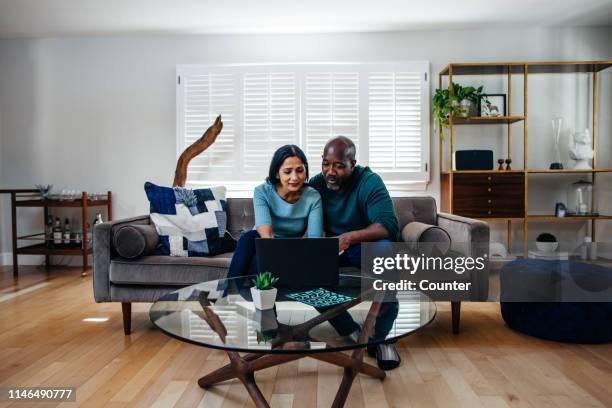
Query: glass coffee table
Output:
(220,314)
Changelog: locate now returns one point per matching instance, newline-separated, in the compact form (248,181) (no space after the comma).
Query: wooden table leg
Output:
(356,360)
(244,367)
(342,360)
(249,364)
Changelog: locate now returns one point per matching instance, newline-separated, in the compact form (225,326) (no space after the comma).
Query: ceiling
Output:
(42,18)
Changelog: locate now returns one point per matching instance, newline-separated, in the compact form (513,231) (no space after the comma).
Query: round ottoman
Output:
(564,301)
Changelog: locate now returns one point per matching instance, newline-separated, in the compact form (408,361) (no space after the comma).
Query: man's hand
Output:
(344,241)
(372,232)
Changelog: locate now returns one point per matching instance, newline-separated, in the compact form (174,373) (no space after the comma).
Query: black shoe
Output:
(387,357)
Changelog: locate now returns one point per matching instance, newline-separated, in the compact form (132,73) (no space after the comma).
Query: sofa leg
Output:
(456,312)
(126,308)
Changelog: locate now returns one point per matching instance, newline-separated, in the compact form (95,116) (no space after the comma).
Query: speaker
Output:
(473,160)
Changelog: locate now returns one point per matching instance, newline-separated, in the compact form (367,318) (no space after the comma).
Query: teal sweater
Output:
(363,201)
(305,216)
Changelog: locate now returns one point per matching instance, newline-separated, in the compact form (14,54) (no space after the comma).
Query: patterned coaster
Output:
(319,297)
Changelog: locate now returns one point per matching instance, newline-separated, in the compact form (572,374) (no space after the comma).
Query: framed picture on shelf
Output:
(492,105)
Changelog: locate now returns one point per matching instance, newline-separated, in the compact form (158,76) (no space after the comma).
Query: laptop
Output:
(299,262)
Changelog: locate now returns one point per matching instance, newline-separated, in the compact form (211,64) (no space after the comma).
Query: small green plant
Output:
(445,105)
(469,92)
(546,237)
(265,281)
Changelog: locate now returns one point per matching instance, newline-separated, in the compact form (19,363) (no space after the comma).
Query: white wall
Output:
(98,114)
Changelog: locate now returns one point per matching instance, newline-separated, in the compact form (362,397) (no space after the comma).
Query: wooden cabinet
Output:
(489,195)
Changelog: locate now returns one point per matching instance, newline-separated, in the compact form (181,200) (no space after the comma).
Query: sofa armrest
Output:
(470,237)
(467,234)
(103,252)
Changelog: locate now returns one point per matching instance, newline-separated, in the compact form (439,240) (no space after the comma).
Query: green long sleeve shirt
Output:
(364,200)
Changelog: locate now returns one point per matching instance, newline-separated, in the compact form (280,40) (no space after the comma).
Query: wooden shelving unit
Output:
(479,120)
(452,181)
(31,198)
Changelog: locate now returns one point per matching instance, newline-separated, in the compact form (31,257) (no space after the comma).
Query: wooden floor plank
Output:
(46,342)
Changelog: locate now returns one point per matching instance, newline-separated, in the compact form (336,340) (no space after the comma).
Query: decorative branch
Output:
(203,143)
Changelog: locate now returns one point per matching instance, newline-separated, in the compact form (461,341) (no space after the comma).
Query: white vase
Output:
(263,299)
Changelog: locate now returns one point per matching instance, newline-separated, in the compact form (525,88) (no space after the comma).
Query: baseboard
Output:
(6,259)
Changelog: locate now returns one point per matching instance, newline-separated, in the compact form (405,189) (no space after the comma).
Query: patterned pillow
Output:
(190,222)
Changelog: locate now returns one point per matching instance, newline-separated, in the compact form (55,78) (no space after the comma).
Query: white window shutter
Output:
(205,96)
(395,122)
(382,107)
(270,106)
(331,108)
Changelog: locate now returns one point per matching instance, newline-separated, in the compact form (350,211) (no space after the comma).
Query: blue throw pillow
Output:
(190,222)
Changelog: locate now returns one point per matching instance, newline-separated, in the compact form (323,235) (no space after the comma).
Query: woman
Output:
(284,207)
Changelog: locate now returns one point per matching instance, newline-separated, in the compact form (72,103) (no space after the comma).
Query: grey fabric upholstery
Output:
(103,252)
(168,270)
(422,209)
(423,237)
(154,270)
(145,279)
(240,216)
(132,241)
(470,237)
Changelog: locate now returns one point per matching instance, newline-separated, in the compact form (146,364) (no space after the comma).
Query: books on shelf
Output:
(551,256)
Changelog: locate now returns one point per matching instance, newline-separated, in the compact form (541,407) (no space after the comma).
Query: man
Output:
(357,208)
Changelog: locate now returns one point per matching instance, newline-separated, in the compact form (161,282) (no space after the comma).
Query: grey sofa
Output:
(147,278)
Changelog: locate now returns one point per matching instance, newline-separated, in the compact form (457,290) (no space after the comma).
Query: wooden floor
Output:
(45,341)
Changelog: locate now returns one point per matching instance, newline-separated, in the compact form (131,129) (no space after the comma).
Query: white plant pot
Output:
(263,299)
(548,247)
(468,108)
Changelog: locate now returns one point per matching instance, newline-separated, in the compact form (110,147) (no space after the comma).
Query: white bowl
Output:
(547,246)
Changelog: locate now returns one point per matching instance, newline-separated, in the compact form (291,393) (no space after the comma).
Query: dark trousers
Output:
(344,323)
(244,260)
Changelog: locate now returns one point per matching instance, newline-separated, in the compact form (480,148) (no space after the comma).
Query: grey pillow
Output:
(132,241)
(426,238)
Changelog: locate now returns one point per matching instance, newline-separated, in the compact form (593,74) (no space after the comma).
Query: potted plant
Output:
(463,102)
(546,242)
(264,292)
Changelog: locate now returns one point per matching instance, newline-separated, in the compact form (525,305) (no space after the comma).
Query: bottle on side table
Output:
(66,234)
(49,232)
(57,233)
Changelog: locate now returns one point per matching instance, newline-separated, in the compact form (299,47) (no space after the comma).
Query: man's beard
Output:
(335,187)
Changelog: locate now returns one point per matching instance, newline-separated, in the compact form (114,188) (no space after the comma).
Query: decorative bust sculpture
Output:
(581,149)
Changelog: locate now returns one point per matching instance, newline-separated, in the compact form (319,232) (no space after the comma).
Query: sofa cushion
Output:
(168,270)
(240,216)
(422,237)
(422,209)
(175,271)
(190,222)
(132,241)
